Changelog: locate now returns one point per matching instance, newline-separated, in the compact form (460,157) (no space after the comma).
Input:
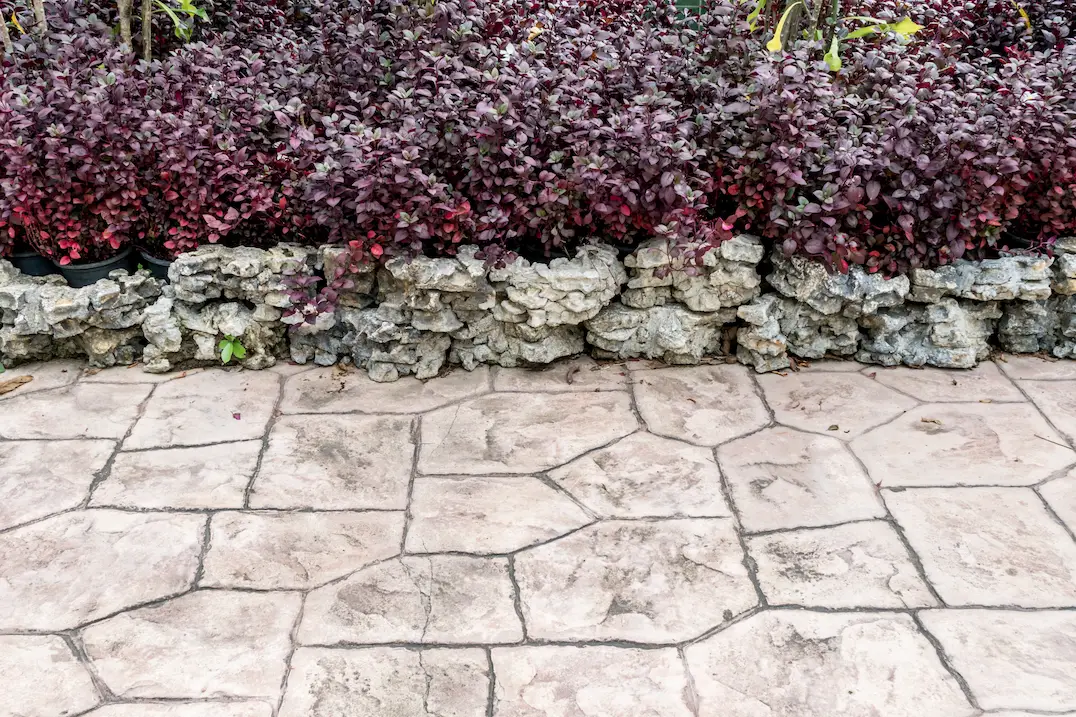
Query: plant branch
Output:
(124,7)
(41,25)
(147,30)
(5,36)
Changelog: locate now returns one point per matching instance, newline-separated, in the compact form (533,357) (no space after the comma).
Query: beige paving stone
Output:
(1056,399)
(988,546)
(860,565)
(781,478)
(273,551)
(1035,367)
(964,444)
(336,462)
(1061,495)
(487,514)
(586,681)
(205,644)
(387,682)
(581,373)
(830,366)
(937,385)
(521,432)
(45,375)
(810,664)
(842,405)
(198,709)
(189,478)
(646,582)
(39,478)
(42,678)
(1011,660)
(132,374)
(209,407)
(1020,713)
(441,599)
(705,405)
(73,568)
(337,390)
(645,475)
(76,411)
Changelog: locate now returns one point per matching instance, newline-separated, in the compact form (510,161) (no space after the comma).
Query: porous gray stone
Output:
(672,333)
(1013,277)
(776,324)
(950,333)
(853,294)
(1029,326)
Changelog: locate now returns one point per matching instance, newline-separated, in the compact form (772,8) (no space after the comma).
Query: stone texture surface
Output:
(202,477)
(842,405)
(42,678)
(336,462)
(46,477)
(984,383)
(590,560)
(780,478)
(521,433)
(859,565)
(234,406)
(818,665)
(206,644)
(78,411)
(1023,558)
(487,514)
(439,599)
(611,582)
(1012,660)
(644,476)
(964,444)
(707,405)
(387,681)
(74,568)
(1056,399)
(584,681)
(296,550)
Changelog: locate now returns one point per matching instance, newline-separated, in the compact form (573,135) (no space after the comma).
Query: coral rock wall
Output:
(416,317)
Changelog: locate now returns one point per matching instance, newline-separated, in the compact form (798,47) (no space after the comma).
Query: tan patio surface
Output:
(585,540)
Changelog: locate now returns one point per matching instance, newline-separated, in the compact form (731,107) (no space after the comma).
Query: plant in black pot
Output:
(23,256)
(154,255)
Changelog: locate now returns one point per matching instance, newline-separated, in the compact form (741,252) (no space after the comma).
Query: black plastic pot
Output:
(158,268)
(31,263)
(79,275)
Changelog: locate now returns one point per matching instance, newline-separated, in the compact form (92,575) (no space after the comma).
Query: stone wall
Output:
(417,317)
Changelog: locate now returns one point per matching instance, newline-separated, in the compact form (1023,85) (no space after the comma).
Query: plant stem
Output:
(124,7)
(5,36)
(41,26)
(147,30)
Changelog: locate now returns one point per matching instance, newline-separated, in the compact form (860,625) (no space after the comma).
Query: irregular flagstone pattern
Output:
(964,444)
(336,462)
(387,681)
(206,644)
(1022,557)
(487,514)
(296,550)
(705,405)
(42,678)
(612,581)
(859,565)
(780,478)
(439,599)
(45,477)
(584,681)
(812,664)
(68,570)
(1015,660)
(521,433)
(845,405)
(584,540)
(202,477)
(645,476)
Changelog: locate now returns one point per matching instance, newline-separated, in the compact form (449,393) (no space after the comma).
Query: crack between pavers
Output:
(491,697)
(102,475)
(1038,408)
(416,439)
(207,540)
(74,643)
(293,640)
(737,526)
(691,692)
(544,478)
(517,596)
(1053,514)
(266,435)
(945,660)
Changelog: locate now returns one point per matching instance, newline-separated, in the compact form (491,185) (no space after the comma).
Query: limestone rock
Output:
(673,333)
(854,294)
(949,334)
(777,324)
(1013,277)
(1029,326)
